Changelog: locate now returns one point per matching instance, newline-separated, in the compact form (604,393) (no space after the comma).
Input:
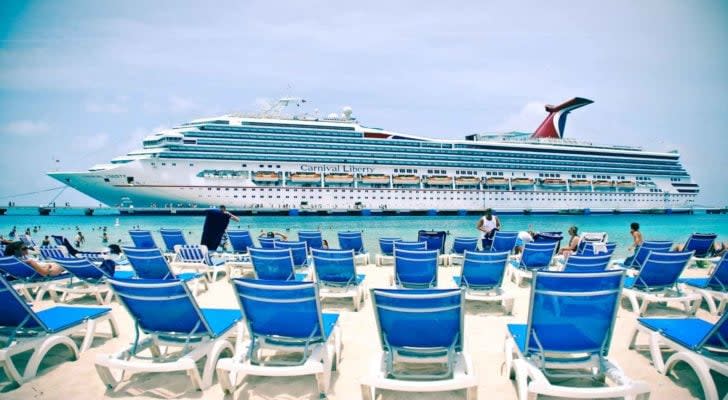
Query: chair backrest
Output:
(164,307)
(462,244)
(661,270)
(16,268)
(83,269)
(715,339)
(415,268)
(313,239)
(62,241)
(148,263)
(386,245)
(142,239)
(15,311)
(700,243)
(435,240)
(593,237)
(270,306)
(581,263)
(419,318)
(719,277)
(572,313)
(351,240)
(195,253)
(402,245)
(299,251)
(503,241)
(648,246)
(483,270)
(240,241)
(335,267)
(548,237)
(272,264)
(93,256)
(267,243)
(171,238)
(53,252)
(537,255)
(596,248)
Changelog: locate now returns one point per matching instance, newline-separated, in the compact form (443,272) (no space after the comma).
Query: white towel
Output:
(599,247)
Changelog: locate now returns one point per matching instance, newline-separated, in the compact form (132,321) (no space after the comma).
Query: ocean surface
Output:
(654,227)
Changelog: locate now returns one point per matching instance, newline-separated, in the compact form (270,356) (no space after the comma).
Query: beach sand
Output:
(485,330)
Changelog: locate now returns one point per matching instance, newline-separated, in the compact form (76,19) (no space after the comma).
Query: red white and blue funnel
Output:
(555,123)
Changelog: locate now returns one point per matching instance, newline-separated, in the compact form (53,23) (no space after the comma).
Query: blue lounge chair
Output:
(386,250)
(336,275)
(656,282)
(535,256)
(714,288)
(151,264)
(299,251)
(240,241)
(197,258)
(142,239)
(269,308)
(568,334)
(352,240)
(701,244)
(579,263)
(597,248)
(482,278)
(503,241)
(409,246)
(267,243)
(274,264)
(459,246)
(434,240)
(549,237)
(638,258)
(92,280)
(700,344)
(420,326)
(27,280)
(171,238)
(415,269)
(23,329)
(313,239)
(53,252)
(166,315)
(239,260)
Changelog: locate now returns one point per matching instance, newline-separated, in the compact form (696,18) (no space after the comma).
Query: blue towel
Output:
(215,224)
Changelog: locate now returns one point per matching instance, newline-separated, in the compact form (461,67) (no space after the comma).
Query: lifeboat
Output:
(305,177)
(519,183)
(626,185)
(551,183)
(496,181)
(375,179)
(602,185)
(438,180)
(406,180)
(580,184)
(339,178)
(266,176)
(467,181)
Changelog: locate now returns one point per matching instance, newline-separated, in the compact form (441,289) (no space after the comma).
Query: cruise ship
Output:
(303,163)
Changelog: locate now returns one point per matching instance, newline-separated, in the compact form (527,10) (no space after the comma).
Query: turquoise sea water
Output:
(671,227)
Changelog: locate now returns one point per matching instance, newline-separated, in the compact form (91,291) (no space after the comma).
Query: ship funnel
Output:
(555,123)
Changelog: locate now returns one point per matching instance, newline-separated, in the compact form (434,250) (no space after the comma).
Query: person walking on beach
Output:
(487,225)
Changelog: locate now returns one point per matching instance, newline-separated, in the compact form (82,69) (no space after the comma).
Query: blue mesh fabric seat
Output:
(151,264)
(568,335)
(641,253)
(336,275)
(583,263)
(434,240)
(386,250)
(27,280)
(352,240)
(240,241)
(459,246)
(39,331)
(197,258)
(503,241)
(166,316)
(420,326)
(267,243)
(713,288)
(313,239)
(696,342)
(549,237)
(268,308)
(596,248)
(142,239)
(171,238)
(409,246)
(657,280)
(299,252)
(274,264)
(415,268)
(238,261)
(535,256)
(53,252)
(482,277)
(701,244)
(92,280)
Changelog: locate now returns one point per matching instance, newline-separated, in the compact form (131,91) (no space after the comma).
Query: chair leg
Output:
(471,393)
(368,392)
(211,361)
(701,370)
(89,336)
(32,368)
(633,341)
(11,371)
(656,353)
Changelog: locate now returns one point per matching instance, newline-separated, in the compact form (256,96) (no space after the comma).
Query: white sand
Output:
(485,330)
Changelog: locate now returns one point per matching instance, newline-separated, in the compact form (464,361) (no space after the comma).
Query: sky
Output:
(84,81)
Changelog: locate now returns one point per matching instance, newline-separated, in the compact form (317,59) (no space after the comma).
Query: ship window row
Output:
(309,159)
(339,128)
(494,173)
(535,163)
(308,132)
(405,170)
(549,175)
(299,143)
(437,171)
(465,172)
(578,176)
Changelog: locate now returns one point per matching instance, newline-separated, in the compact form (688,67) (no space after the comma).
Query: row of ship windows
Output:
(395,162)
(414,198)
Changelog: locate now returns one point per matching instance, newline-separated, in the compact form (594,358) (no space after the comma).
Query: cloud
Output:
(94,142)
(25,128)
(178,104)
(102,107)
(526,119)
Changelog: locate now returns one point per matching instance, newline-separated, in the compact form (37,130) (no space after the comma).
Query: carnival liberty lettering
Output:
(336,168)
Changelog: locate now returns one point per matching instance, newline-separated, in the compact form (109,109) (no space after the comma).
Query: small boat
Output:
(626,185)
(496,182)
(339,178)
(520,183)
(603,184)
(305,177)
(467,181)
(438,180)
(375,179)
(406,180)
(552,183)
(266,176)
(580,184)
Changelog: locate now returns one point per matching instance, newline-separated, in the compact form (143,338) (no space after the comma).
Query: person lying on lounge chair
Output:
(20,250)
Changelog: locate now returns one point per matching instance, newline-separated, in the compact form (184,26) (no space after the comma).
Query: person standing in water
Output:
(487,225)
